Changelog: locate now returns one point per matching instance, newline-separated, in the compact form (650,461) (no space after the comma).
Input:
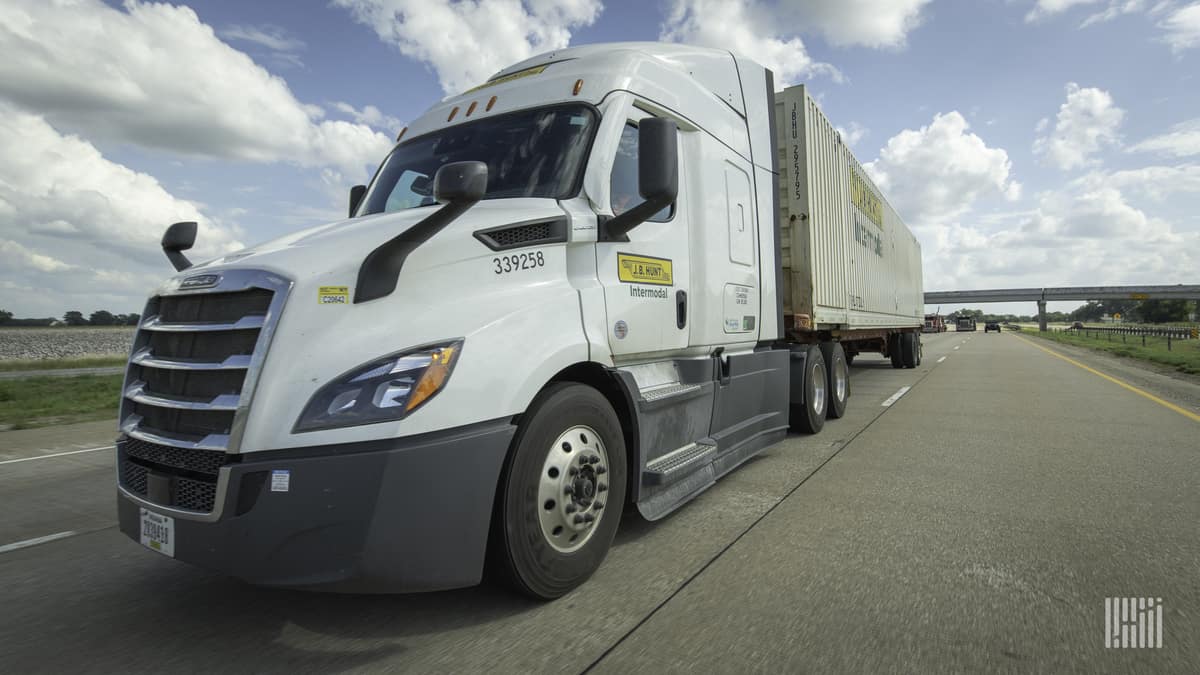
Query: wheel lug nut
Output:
(578,520)
(598,505)
(601,487)
(589,518)
(572,471)
(600,470)
(570,508)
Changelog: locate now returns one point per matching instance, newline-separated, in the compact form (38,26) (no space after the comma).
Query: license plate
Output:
(158,532)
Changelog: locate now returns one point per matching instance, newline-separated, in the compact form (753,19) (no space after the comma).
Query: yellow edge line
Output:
(1182,411)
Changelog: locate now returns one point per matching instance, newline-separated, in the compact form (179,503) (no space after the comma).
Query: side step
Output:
(679,463)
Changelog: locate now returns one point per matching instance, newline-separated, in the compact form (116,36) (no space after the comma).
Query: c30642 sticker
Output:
(642,269)
(333,295)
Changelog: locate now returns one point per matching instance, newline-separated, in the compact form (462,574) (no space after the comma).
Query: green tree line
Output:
(100,317)
(1131,311)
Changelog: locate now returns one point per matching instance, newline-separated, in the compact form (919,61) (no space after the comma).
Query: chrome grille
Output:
(195,361)
(206,462)
(133,477)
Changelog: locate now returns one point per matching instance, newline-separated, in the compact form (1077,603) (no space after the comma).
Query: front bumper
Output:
(408,514)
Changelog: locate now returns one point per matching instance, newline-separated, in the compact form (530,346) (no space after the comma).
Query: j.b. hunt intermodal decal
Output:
(639,292)
(644,269)
(863,196)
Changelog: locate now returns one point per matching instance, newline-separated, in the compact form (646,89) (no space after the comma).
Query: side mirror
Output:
(458,186)
(460,182)
(179,237)
(658,174)
(356,195)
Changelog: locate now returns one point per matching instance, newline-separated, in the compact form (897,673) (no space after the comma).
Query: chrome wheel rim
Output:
(573,488)
(840,380)
(818,393)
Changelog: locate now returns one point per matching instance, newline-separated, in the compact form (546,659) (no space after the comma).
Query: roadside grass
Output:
(1184,355)
(31,402)
(61,364)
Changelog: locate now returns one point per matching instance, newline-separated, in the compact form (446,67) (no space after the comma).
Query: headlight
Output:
(383,390)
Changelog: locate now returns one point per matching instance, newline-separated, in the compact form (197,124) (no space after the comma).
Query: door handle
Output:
(680,309)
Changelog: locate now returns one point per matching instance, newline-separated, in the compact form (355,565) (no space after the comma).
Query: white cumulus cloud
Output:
(852,133)
(1182,27)
(370,116)
(1156,182)
(1086,234)
(867,23)
(1047,8)
(156,76)
(19,256)
(936,173)
(75,224)
(1086,123)
(466,41)
(1182,140)
(748,29)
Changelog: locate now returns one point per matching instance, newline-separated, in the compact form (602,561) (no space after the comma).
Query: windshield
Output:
(529,153)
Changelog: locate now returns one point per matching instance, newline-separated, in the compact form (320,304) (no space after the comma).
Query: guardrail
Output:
(1125,332)
(1180,333)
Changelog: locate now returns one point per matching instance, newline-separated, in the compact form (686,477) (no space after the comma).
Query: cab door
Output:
(724,246)
(646,279)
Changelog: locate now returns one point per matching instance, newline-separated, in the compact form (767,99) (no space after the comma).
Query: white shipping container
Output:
(849,262)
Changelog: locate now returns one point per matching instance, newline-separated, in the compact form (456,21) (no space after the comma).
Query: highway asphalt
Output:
(977,523)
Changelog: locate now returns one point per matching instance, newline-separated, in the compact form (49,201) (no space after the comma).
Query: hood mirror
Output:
(178,238)
(460,182)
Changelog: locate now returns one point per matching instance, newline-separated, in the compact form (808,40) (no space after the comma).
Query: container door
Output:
(645,279)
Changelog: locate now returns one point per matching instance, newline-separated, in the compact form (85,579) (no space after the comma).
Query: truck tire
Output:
(896,349)
(809,416)
(561,492)
(910,349)
(838,367)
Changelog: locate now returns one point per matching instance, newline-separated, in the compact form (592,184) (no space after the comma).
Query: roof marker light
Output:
(452,114)
(578,86)
(401,134)
(472,108)
(491,102)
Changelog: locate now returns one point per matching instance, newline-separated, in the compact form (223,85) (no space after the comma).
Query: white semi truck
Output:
(600,281)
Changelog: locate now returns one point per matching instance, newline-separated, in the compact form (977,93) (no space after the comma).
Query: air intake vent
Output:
(535,233)
(195,360)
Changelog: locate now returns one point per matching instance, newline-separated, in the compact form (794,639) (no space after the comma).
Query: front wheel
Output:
(562,492)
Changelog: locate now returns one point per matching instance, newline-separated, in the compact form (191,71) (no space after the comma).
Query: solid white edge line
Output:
(941,359)
(37,540)
(57,454)
(896,396)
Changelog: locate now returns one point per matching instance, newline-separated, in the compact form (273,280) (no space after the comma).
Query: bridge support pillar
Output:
(1041,315)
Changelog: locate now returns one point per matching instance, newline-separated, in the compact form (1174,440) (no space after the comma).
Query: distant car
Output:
(1078,325)
(992,325)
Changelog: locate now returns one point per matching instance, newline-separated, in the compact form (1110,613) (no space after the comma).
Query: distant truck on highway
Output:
(934,323)
(965,323)
(601,280)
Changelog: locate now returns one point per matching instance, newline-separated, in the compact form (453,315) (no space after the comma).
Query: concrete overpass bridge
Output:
(1043,295)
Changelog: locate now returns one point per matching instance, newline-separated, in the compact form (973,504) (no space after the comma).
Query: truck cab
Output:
(558,297)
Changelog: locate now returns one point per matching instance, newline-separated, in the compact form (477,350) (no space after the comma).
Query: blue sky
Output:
(1027,142)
